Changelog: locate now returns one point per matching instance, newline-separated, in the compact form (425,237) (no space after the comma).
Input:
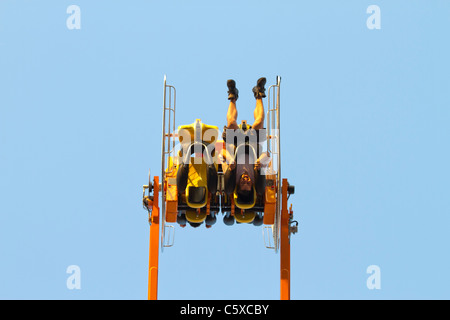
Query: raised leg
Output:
(258,114)
(233,94)
(232,115)
(259,93)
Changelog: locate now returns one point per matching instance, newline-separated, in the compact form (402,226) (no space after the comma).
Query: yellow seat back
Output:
(241,205)
(197,178)
(209,134)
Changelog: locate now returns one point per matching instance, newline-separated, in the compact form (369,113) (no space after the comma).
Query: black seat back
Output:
(197,194)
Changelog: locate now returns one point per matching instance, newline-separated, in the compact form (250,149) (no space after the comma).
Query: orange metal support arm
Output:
(285,246)
(154,244)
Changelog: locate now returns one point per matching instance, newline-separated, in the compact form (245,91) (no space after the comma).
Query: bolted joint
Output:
(293,227)
(291,189)
(148,201)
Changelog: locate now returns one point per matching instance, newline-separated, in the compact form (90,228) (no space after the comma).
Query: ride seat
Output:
(198,132)
(245,216)
(197,186)
(195,217)
(203,136)
(196,195)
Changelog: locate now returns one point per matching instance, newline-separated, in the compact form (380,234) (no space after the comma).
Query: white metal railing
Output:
(273,147)
(168,145)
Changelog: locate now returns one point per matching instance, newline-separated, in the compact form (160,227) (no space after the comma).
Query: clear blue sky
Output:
(365,135)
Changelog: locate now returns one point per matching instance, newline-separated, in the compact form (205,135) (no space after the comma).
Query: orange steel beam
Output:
(154,245)
(285,246)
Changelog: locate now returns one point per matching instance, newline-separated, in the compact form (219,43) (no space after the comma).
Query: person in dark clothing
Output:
(244,170)
(242,175)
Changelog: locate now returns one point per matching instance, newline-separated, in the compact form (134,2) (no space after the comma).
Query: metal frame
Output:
(281,229)
(154,244)
(197,146)
(285,245)
(273,146)
(168,129)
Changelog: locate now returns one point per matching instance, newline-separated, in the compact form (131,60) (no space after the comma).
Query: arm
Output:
(230,174)
(212,178)
(263,160)
(230,180)
(228,159)
(260,179)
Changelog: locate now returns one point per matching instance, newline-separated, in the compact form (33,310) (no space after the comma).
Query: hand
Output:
(221,158)
(257,165)
(264,159)
(227,160)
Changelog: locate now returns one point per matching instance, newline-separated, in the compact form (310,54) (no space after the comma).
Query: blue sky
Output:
(365,130)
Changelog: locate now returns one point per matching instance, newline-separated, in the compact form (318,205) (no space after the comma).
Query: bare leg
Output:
(258,114)
(232,115)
